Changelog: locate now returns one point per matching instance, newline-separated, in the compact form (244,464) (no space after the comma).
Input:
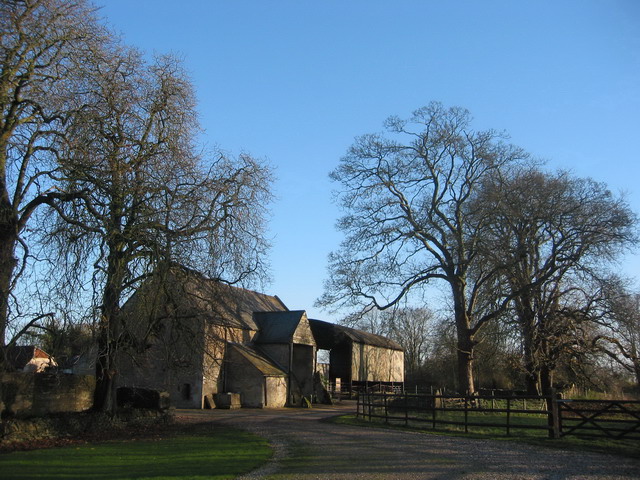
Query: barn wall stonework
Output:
(303,334)
(256,389)
(371,363)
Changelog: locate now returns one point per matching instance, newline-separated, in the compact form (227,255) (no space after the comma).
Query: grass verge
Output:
(627,448)
(224,454)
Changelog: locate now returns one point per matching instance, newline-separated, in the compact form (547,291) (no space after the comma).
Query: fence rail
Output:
(509,414)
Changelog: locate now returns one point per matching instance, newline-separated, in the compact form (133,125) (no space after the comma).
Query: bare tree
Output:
(407,197)
(550,234)
(42,45)
(619,333)
(411,328)
(143,197)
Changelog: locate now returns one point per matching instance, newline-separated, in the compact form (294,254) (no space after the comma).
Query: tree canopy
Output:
(43,45)
(104,143)
(432,200)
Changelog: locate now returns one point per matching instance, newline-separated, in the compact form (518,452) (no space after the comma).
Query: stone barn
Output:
(359,359)
(181,324)
(195,338)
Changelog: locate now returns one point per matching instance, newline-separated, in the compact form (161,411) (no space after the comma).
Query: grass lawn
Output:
(226,453)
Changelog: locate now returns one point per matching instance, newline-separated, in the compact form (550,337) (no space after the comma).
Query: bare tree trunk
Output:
(106,367)
(531,379)
(105,395)
(465,365)
(530,363)
(102,399)
(465,343)
(8,262)
(546,379)
(526,321)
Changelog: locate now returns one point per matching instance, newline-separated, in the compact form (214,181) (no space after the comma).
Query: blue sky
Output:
(295,81)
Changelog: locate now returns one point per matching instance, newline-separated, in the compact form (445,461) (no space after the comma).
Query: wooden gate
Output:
(598,418)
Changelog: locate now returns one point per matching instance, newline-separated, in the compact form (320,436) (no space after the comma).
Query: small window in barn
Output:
(186,391)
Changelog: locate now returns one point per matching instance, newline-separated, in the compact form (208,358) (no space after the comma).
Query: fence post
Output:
(358,406)
(406,409)
(508,415)
(433,410)
(466,413)
(386,408)
(553,414)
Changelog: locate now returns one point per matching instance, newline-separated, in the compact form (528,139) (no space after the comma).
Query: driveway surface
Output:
(306,448)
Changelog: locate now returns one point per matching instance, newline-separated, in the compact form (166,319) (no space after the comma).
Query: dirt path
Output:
(306,448)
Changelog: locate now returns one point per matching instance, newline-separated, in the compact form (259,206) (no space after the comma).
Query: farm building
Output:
(359,359)
(262,382)
(28,358)
(195,337)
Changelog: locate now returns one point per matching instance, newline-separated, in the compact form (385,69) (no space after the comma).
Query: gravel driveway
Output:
(305,448)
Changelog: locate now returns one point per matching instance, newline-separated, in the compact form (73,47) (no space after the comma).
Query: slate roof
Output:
(277,327)
(233,306)
(328,335)
(190,294)
(259,361)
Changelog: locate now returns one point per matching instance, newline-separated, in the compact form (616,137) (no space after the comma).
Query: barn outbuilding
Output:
(195,338)
(262,383)
(357,359)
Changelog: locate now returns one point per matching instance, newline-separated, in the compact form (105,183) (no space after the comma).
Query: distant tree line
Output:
(103,182)
(526,257)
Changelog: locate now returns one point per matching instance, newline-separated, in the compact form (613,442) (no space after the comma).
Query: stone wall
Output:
(33,395)
(75,425)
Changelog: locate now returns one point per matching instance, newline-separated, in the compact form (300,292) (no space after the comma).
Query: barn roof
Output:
(277,327)
(185,293)
(328,335)
(259,361)
(233,306)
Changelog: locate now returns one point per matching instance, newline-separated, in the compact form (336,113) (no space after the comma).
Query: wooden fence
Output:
(510,414)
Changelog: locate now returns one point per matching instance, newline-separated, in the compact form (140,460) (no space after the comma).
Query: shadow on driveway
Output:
(307,448)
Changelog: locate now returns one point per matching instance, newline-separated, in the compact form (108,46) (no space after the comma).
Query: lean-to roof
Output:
(259,361)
